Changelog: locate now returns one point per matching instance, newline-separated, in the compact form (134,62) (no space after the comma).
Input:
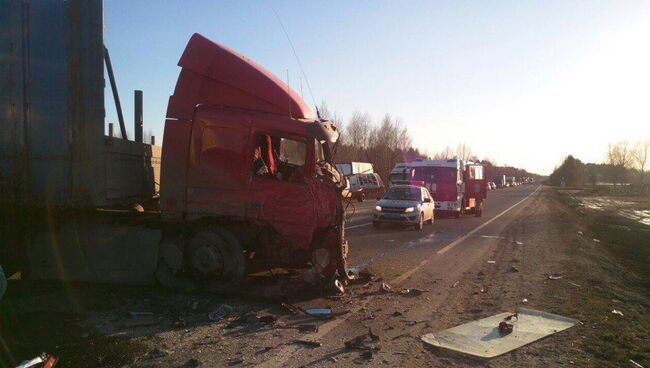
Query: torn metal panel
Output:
(481,338)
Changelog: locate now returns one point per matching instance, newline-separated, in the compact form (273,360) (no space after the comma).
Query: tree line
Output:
(624,163)
(386,142)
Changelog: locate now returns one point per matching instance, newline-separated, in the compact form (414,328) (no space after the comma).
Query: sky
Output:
(524,83)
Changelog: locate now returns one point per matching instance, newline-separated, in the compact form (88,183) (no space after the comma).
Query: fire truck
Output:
(458,187)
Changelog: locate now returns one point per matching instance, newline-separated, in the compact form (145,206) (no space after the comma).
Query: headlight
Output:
(378,208)
(410,209)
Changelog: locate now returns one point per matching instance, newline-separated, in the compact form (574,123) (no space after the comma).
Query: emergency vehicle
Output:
(457,186)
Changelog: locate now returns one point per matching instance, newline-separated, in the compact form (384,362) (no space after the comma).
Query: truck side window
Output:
(279,158)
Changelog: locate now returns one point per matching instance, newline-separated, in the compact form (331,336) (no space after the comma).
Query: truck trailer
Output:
(244,179)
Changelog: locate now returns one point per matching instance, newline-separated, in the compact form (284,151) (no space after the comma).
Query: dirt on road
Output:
(596,269)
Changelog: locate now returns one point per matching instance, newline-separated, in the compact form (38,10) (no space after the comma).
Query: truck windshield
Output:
(435,174)
(403,193)
(396,177)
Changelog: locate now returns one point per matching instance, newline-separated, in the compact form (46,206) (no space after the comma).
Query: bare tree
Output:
(463,152)
(618,157)
(640,157)
(357,134)
(445,154)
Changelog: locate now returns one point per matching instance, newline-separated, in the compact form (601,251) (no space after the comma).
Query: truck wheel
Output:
(420,223)
(478,211)
(215,254)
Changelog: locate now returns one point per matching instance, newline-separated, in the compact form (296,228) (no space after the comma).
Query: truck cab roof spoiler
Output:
(213,74)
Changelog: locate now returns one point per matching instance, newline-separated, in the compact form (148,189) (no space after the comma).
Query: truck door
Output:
(475,188)
(279,193)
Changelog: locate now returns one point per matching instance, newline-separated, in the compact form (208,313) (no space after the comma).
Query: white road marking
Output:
(486,223)
(287,353)
(356,226)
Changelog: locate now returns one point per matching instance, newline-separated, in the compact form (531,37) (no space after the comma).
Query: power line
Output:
(297,58)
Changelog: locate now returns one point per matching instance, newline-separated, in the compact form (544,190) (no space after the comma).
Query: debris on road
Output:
(309,343)
(411,292)
(385,287)
(514,269)
(516,242)
(580,233)
(319,312)
(47,361)
(596,240)
(555,276)
(455,284)
(338,287)
(482,338)
(365,275)
(636,364)
(363,343)
(618,312)
(491,262)
(223,311)
(307,328)
(573,283)
(397,314)
(292,308)
(268,319)
(524,300)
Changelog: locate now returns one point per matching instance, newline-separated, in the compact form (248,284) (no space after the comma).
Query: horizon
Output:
(518,83)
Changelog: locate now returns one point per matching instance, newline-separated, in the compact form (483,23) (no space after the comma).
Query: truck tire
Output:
(214,253)
(478,211)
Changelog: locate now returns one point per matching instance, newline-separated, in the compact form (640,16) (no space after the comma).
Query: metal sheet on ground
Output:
(481,337)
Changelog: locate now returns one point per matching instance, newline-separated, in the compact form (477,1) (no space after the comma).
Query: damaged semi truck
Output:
(244,180)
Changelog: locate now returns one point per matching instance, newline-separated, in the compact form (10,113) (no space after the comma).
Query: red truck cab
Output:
(247,175)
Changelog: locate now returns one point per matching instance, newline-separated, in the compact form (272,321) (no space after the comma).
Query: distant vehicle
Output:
(500,181)
(457,186)
(405,204)
(399,174)
(362,186)
(491,185)
(511,181)
(350,168)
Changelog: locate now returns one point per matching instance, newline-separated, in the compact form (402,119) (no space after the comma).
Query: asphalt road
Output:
(438,255)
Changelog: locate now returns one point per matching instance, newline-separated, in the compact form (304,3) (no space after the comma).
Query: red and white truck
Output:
(457,186)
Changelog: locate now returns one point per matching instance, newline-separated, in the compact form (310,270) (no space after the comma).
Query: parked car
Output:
(405,204)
